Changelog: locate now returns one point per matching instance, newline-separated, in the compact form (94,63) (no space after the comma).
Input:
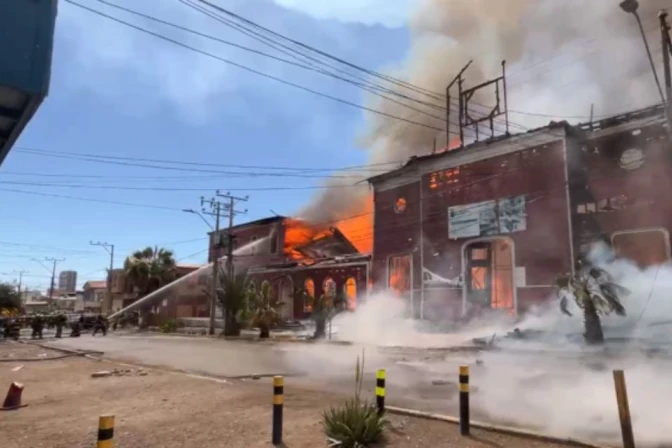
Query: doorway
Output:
(488,285)
(287,298)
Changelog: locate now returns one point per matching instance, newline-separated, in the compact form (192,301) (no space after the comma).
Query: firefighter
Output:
(75,330)
(60,321)
(37,324)
(100,325)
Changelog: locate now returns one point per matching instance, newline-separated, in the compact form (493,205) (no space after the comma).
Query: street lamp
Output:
(194,212)
(631,7)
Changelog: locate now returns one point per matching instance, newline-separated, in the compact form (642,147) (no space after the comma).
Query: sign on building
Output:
(487,218)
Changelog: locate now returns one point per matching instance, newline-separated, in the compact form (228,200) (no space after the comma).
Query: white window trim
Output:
(662,230)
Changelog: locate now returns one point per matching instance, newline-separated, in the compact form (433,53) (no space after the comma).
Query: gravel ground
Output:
(155,408)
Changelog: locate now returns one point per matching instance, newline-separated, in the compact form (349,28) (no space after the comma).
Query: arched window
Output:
(350,292)
(309,286)
(329,287)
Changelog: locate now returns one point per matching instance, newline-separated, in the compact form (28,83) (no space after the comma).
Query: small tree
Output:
(10,299)
(264,310)
(233,296)
(595,292)
(324,308)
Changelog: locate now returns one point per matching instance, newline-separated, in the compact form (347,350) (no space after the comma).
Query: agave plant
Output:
(595,292)
(264,310)
(355,423)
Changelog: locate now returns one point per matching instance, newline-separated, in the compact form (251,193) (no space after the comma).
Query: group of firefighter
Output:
(12,327)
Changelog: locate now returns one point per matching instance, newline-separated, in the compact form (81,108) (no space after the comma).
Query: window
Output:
(645,247)
(400,205)
(350,292)
(309,286)
(329,287)
(446,177)
(399,273)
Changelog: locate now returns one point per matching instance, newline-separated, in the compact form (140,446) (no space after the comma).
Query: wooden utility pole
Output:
(109,248)
(53,275)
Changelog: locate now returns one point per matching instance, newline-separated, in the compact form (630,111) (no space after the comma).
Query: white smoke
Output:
(554,383)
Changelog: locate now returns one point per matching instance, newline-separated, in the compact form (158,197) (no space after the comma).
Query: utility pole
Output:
(667,50)
(232,212)
(109,248)
(216,211)
(20,273)
(53,275)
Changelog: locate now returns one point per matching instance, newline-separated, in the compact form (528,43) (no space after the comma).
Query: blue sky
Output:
(118,92)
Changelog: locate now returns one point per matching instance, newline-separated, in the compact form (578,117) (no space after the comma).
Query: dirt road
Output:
(155,408)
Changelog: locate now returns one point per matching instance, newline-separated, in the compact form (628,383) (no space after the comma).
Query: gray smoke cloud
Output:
(561,58)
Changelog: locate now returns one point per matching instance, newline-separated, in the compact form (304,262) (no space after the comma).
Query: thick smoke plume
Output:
(562,56)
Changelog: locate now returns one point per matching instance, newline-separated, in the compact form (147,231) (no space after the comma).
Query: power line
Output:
(251,70)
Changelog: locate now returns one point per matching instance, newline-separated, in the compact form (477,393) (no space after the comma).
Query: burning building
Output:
(491,224)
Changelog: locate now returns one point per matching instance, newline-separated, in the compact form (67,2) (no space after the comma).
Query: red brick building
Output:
(490,225)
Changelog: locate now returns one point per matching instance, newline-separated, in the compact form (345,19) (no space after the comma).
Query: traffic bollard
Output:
(380,391)
(105,431)
(278,402)
(464,400)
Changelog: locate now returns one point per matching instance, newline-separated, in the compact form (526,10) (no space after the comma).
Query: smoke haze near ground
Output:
(561,58)
(555,384)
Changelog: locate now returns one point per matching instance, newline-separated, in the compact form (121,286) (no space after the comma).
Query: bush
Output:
(355,423)
(169,327)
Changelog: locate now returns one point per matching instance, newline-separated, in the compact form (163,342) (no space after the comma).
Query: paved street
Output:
(532,390)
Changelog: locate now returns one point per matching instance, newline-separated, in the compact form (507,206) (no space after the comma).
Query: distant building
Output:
(67,281)
(95,290)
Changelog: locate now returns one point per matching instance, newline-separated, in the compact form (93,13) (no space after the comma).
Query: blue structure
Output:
(26,44)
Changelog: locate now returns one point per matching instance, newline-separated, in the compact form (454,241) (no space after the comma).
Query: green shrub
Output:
(169,327)
(355,423)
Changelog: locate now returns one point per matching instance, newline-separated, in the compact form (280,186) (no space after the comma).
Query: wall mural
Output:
(487,218)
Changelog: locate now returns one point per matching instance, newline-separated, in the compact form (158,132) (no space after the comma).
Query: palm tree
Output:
(595,293)
(233,297)
(324,308)
(10,299)
(149,269)
(265,310)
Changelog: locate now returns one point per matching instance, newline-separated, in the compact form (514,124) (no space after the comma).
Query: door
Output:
(479,275)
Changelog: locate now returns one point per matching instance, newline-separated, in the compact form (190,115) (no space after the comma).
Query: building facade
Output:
(67,281)
(489,227)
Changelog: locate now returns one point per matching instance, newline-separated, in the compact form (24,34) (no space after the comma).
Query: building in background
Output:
(27,36)
(94,290)
(67,281)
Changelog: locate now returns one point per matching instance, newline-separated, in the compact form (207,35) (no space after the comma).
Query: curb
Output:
(495,428)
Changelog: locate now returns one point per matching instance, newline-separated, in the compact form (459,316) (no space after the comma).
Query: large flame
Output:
(358,227)
(299,233)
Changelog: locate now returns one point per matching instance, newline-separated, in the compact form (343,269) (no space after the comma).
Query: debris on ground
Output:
(119,372)
(442,383)
(17,368)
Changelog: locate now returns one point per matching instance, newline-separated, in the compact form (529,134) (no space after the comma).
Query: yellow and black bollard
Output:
(623,409)
(380,391)
(105,431)
(464,400)
(278,401)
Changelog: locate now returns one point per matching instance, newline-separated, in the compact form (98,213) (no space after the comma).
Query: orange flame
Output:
(358,227)
(299,233)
